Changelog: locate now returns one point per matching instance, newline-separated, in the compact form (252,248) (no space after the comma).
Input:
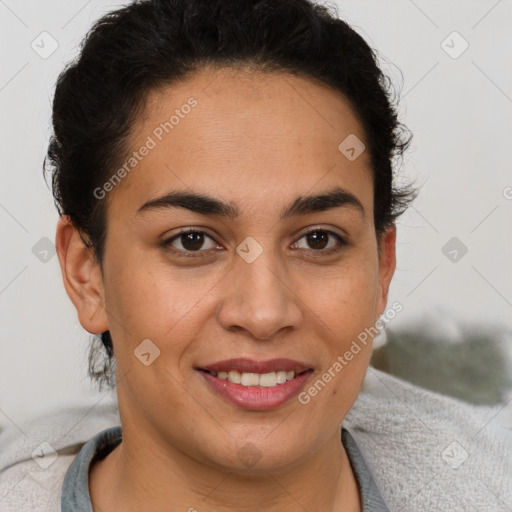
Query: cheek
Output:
(142,290)
(345,306)
(148,299)
(346,297)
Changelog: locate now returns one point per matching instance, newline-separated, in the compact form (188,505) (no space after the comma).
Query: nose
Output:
(259,298)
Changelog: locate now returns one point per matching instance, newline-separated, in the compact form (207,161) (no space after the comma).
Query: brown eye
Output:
(318,241)
(190,241)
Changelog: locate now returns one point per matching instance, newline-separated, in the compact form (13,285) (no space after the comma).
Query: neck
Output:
(137,476)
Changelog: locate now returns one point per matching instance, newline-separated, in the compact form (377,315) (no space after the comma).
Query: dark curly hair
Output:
(152,43)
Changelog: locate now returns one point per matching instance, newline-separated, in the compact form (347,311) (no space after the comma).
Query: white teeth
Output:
(256,379)
(234,377)
(281,377)
(250,379)
(268,380)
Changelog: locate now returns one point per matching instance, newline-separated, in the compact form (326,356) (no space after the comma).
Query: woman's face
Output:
(254,285)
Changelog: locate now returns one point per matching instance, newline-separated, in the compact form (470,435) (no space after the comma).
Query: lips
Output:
(256,398)
(245,365)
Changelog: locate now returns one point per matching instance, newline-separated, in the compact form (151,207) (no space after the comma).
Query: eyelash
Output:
(194,254)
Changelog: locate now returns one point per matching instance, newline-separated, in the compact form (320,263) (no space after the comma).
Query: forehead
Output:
(260,103)
(239,133)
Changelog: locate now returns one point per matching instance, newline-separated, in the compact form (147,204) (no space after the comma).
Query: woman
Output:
(223,171)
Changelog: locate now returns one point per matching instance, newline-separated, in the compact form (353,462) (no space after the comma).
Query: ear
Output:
(82,277)
(387,264)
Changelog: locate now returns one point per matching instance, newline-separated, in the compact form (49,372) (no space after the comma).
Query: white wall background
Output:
(459,109)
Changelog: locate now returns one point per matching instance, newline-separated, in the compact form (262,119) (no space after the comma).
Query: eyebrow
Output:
(207,205)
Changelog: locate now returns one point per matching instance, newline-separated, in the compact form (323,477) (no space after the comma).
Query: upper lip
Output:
(245,365)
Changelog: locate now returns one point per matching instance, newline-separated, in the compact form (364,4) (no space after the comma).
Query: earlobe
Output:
(82,277)
(387,264)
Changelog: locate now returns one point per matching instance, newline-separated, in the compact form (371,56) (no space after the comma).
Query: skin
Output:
(250,134)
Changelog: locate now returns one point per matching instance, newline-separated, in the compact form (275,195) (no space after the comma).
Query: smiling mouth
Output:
(261,380)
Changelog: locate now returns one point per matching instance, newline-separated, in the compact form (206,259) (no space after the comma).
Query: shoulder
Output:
(427,451)
(36,455)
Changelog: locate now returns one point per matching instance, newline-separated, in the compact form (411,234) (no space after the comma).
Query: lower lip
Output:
(255,397)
